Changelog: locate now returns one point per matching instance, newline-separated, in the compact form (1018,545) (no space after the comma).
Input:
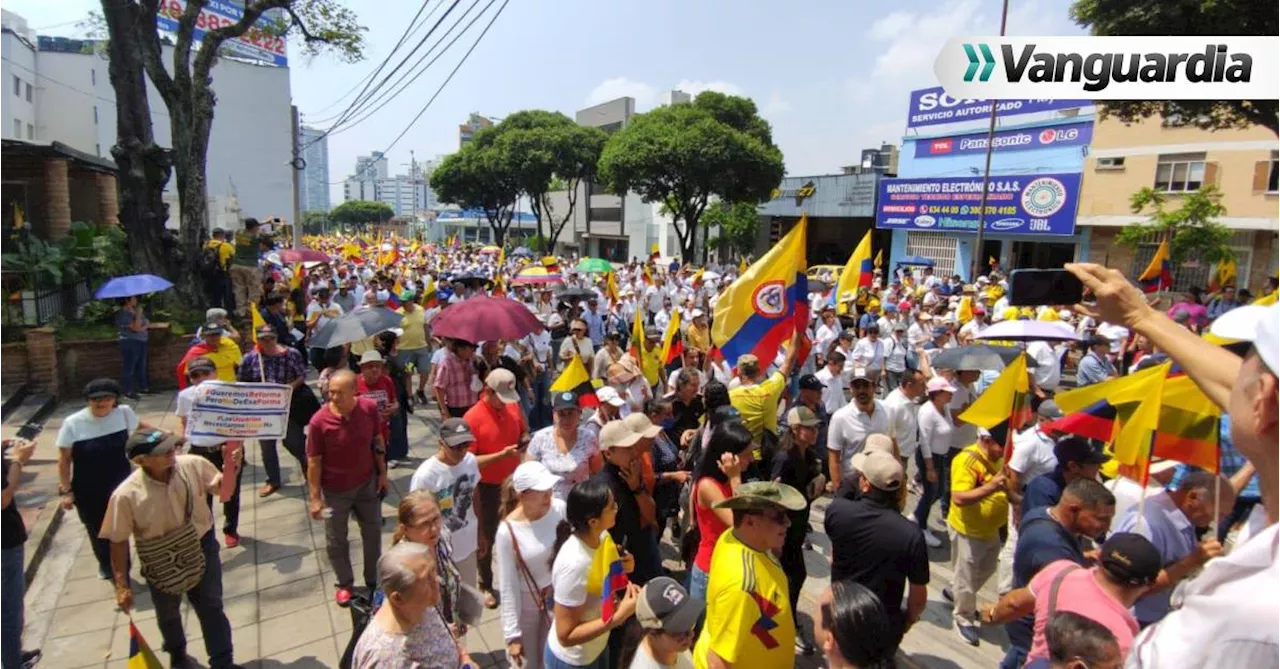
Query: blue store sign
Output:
(1037,204)
(1070,134)
(932,106)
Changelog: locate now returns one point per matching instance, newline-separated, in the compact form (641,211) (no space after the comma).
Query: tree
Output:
(1191,229)
(185,86)
(738,225)
(684,154)
(479,177)
(361,212)
(1186,17)
(313,221)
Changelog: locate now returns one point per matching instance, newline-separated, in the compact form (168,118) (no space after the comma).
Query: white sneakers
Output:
(931,540)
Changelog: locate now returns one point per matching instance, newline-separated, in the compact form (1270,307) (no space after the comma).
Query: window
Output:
(31,131)
(28,92)
(1180,172)
(940,246)
(17,86)
(17,129)
(93,77)
(606,213)
(95,114)
(97,149)
(1265,173)
(1115,163)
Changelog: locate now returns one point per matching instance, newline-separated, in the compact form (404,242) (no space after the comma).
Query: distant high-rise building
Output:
(475,123)
(673,97)
(315,176)
(408,194)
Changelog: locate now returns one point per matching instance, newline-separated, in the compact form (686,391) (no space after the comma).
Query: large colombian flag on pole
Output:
(768,303)
(1159,272)
(857,272)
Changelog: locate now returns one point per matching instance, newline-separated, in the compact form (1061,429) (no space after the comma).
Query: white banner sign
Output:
(232,411)
(1111,68)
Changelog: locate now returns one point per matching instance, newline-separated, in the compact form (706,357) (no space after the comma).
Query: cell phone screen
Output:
(1035,287)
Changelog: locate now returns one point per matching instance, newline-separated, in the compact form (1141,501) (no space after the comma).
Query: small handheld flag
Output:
(575,379)
(607,578)
(140,654)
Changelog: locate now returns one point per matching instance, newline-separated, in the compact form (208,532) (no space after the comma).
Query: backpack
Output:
(210,263)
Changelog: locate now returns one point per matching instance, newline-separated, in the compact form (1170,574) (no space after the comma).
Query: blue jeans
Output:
(540,416)
(11,593)
(929,491)
(550,661)
(133,375)
(944,481)
(698,583)
(206,599)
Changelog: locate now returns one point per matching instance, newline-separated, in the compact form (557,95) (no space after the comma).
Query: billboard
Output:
(932,106)
(1036,204)
(1070,134)
(259,43)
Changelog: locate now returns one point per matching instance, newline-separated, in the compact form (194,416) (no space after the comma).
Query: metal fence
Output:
(42,301)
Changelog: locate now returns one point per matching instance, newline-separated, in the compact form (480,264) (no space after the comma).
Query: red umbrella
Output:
(291,256)
(484,318)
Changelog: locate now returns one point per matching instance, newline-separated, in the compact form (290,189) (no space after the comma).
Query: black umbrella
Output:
(576,294)
(355,325)
(982,357)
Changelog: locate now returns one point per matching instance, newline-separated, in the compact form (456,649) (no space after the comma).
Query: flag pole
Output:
(1217,486)
(1146,476)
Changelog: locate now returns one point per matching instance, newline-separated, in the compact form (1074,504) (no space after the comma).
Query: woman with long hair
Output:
(422,522)
(579,636)
(717,476)
(522,549)
(568,450)
(853,629)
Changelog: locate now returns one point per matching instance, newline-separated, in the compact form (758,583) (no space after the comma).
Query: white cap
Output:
(533,475)
(1257,324)
(697,313)
(370,356)
(609,396)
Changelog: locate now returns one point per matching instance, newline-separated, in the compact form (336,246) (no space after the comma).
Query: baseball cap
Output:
(370,356)
(878,442)
(616,433)
(456,432)
(150,442)
(937,384)
(899,327)
(211,328)
(697,313)
(811,382)
(859,374)
(608,395)
(103,388)
(565,400)
(533,475)
(266,331)
(848,334)
(503,382)
(1130,558)
(1078,450)
(640,424)
(652,333)
(882,470)
(760,495)
(939,331)
(1257,324)
(665,605)
(200,364)
(1049,410)
(802,415)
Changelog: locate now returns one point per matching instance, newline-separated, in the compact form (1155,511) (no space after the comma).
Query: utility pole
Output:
(298,165)
(986,173)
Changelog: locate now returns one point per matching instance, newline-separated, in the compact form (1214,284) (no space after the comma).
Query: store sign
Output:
(260,43)
(932,106)
(1071,134)
(1037,204)
(800,194)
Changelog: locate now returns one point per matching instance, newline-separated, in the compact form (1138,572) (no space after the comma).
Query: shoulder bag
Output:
(526,576)
(173,563)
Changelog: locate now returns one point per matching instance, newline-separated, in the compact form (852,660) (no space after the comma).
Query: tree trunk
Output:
(143,165)
(190,152)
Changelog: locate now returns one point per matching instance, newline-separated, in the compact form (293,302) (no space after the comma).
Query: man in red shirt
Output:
(374,384)
(346,471)
(497,423)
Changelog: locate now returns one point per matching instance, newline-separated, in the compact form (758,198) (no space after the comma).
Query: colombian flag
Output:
(140,654)
(1004,403)
(1159,272)
(429,297)
(575,379)
(611,288)
(606,579)
(1224,274)
(257,321)
(857,272)
(637,334)
(768,303)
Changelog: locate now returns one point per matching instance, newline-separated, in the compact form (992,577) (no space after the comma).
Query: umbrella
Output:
(594,266)
(1029,331)
(818,286)
(303,255)
(576,294)
(978,357)
(128,286)
(484,318)
(536,275)
(710,276)
(469,279)
(355,325)
(522,251)
(490,251)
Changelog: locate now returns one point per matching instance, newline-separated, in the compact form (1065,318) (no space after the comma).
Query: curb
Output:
(45,528)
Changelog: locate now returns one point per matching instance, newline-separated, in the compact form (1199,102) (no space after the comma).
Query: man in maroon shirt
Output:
(346,470)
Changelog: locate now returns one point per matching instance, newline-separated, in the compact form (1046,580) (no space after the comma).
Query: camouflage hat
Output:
(761,495)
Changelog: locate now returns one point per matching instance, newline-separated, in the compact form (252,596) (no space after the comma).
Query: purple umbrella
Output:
(1028,331)
(484,318)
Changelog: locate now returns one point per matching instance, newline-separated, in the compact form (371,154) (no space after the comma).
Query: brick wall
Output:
(1104,250)
(14,367)
(81,361)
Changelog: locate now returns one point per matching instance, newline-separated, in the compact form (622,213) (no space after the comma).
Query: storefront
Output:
(840,208)
(933,208)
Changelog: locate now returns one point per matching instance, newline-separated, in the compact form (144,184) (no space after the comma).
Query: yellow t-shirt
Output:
(225,251)
(758,406)
(699,338)
(984,518)
(226,359)
(651,364)
(415,336)
(749,617)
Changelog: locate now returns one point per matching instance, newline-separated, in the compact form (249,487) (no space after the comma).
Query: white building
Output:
(314,184)
(59,89)
(407,194)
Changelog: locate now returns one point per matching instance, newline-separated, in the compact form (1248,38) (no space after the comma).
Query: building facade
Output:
(840,207)
(314,180)
(475,123)
(1175,159)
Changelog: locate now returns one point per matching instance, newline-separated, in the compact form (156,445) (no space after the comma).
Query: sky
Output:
(831,76)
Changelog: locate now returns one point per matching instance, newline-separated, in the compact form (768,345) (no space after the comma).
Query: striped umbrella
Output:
(536,275)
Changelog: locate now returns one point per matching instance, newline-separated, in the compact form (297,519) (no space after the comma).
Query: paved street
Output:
(278,585)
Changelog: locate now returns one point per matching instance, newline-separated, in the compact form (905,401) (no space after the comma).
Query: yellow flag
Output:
(1267,300)
(295,281)
(637,333)
(742,266)
(879,259)
(669,337)
(653,250)
(996,403)
(572,378)
(856,273)
(964,312)
(611,288)
(1133,441)
(257,321)
(1128,388)
(17,217)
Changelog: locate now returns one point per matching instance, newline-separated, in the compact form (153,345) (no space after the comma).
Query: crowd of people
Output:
(551,505)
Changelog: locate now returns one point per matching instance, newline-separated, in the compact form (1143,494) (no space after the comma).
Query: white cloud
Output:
(695,87)
(620,87)
(776,106)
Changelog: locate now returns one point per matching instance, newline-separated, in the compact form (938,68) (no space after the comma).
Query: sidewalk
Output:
(278,586)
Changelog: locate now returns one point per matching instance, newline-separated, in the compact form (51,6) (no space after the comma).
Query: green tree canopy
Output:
(738,226)
(361,212)
(1186,17)
(479,177)
(684,154)
(1191,229)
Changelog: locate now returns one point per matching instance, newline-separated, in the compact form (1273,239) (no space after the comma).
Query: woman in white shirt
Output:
(567,450)
(579,636)
(936,427)
(522,549)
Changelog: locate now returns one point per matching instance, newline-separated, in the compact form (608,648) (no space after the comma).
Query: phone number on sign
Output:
(207,20)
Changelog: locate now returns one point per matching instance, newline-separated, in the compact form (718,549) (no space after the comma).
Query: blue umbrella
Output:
(128,286)
(522,251)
